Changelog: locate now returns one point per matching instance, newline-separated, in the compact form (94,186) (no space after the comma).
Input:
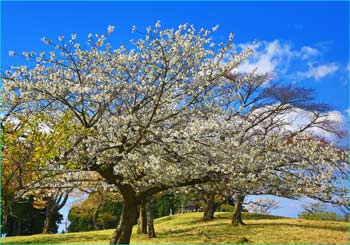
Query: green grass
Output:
(188,228)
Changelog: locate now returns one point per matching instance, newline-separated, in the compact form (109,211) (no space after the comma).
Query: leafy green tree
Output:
(165,204)
(26,218)
(98,211)
(30,145)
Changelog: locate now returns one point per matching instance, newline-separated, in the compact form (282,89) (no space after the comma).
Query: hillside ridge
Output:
(189,228)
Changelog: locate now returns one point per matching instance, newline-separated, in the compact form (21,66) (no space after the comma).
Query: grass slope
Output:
(188,228)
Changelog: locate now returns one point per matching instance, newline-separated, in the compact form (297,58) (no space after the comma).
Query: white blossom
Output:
(110,29)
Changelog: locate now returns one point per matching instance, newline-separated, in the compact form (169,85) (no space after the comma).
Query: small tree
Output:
(318,211)
(262,205)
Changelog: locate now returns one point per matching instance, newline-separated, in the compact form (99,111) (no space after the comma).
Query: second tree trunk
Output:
(150,217)
(142,221)
(237,212)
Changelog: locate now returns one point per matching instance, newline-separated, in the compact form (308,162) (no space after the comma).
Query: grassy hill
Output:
(188,228)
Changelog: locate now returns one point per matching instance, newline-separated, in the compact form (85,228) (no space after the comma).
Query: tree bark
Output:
(150,217)
(142,221)
(127,220)
(237,213)
(210,205)
(209,210)
(46,228)
(94,219)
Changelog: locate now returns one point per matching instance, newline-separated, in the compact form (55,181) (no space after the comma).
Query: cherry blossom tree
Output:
(276,147)
(136,106)
(166,113)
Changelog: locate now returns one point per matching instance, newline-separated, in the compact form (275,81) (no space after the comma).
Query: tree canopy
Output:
(171,111)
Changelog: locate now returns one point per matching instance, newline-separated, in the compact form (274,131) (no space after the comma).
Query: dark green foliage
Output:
(321,216)
(108,215)
(164,204)
(24,219)
(95,213)
(79,221)
(226,208)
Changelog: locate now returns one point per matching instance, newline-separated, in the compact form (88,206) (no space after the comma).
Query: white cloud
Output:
(267,57)
(326,126)
(348,112)
(307,52)
(333,119)
(282,59)
(319,72)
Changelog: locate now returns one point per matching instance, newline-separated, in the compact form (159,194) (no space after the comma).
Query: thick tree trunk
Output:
(150,216)
(210,206)
(142,221)
(237,212)
(127,220)
(209,210)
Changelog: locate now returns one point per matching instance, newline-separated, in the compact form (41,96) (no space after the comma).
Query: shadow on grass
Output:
(249,216)
(198,228)
(302,225)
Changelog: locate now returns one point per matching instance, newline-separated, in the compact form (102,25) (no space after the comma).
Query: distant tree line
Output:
(91,215)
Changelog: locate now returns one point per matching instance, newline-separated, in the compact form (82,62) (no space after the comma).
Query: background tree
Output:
(318,211)
(262,205)
(142,220)
(27,217)
(30,145)
(54,203)
(211,196)
(162,204)
(101,210)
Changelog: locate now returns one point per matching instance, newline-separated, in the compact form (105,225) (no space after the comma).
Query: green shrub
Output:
(321,216)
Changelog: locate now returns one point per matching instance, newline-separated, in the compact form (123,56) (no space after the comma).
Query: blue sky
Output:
(306,43)
(321,26)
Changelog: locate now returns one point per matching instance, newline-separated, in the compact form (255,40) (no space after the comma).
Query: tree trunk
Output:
(46,227)
(210,206)
(209,210)
(237,212)
(94,219)
(4,219)
(127,220)
(150,216)
(142,221)
(47,222)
